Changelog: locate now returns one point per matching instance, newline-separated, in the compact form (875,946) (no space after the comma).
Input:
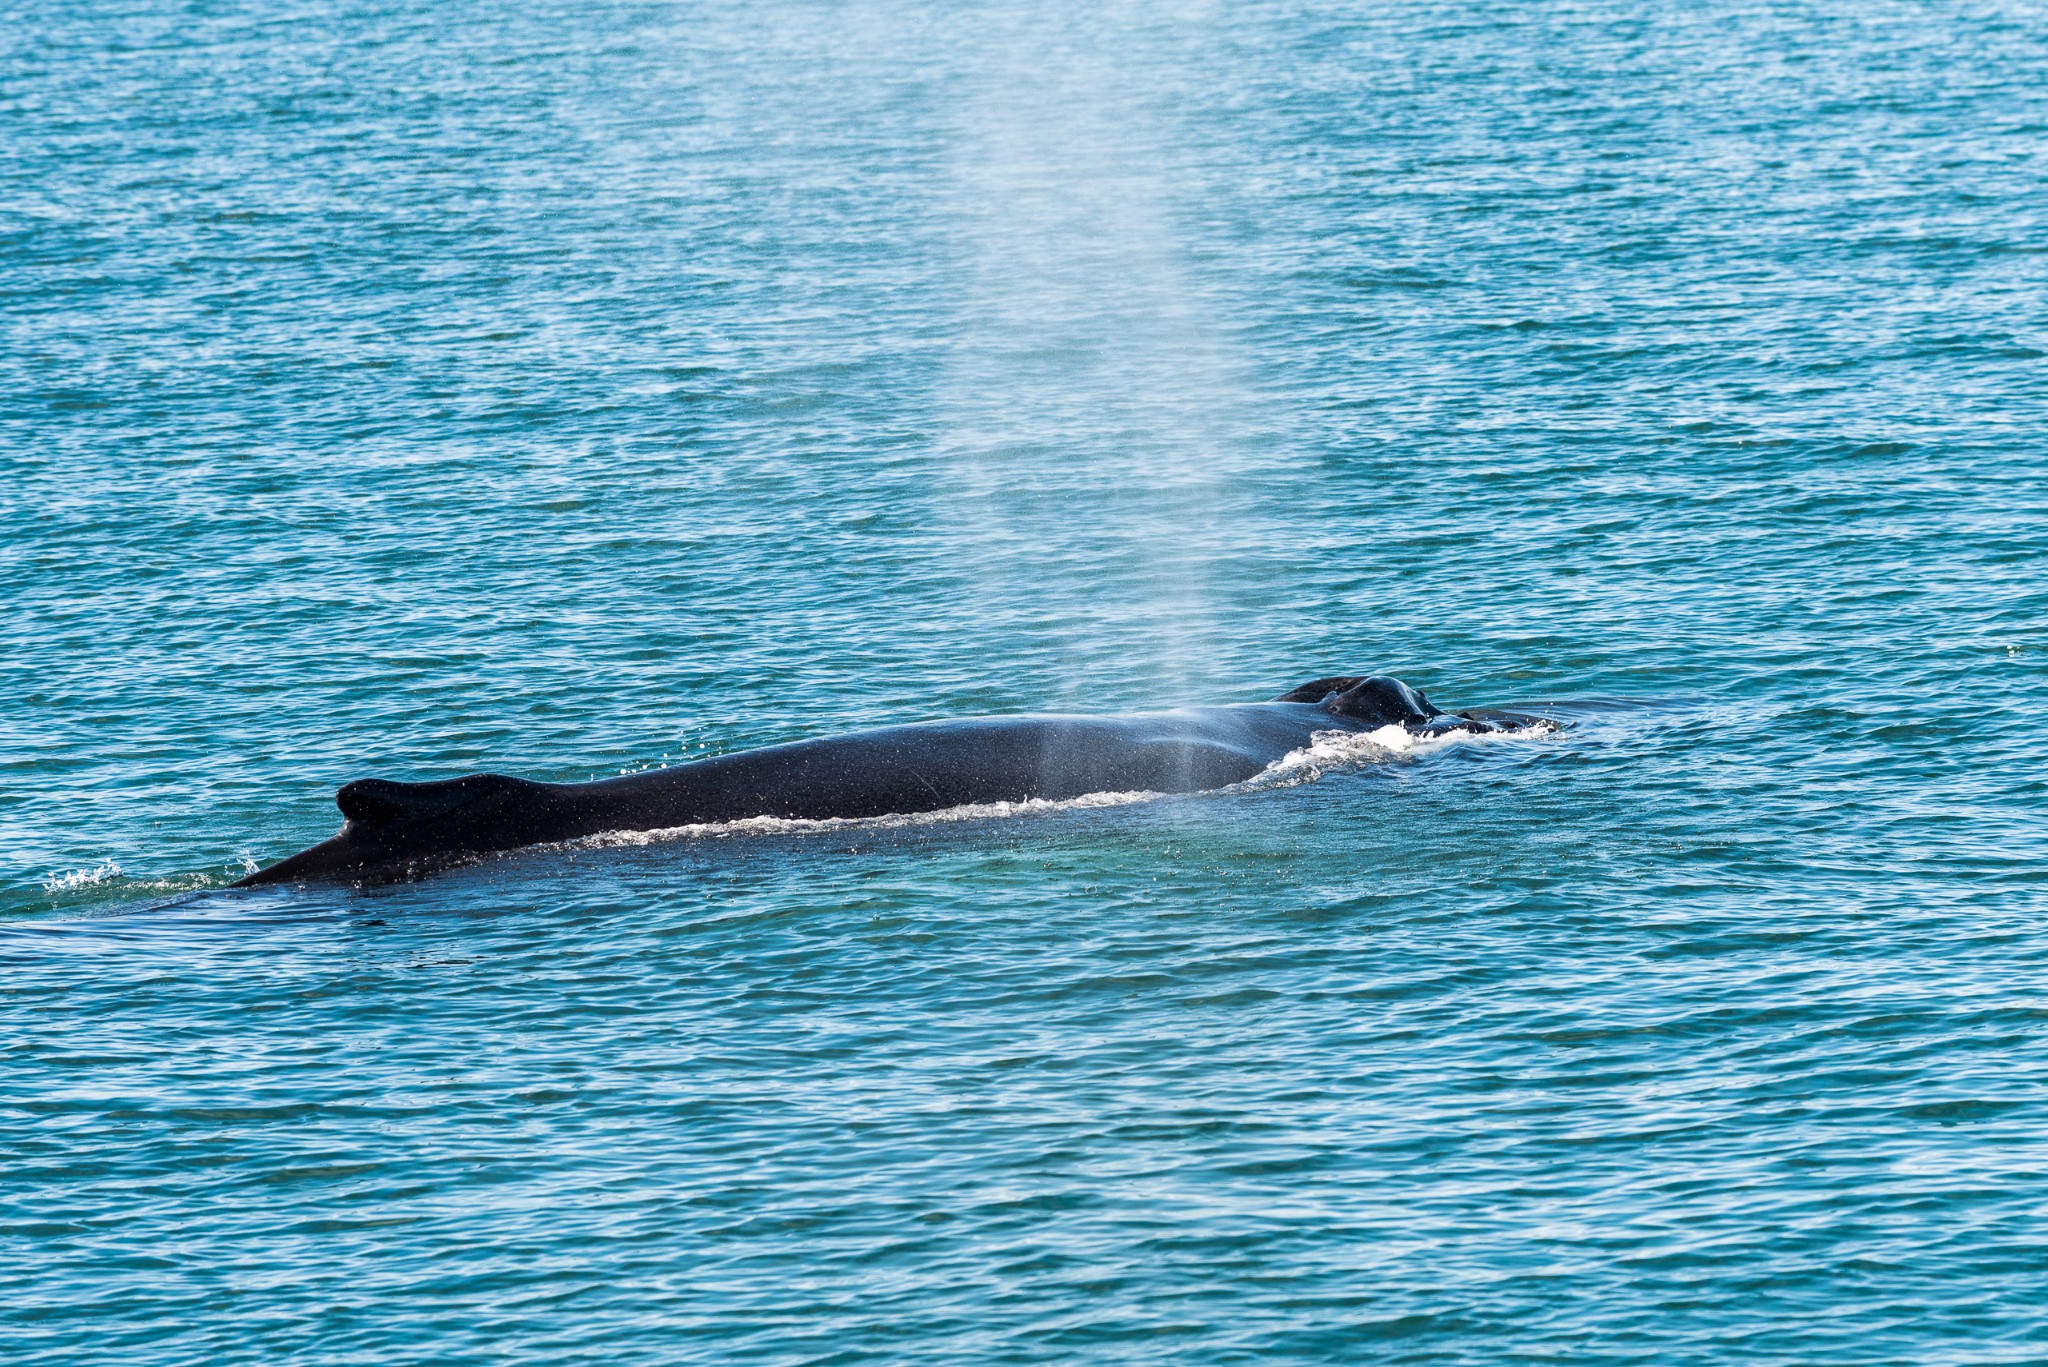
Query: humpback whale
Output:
(394,831)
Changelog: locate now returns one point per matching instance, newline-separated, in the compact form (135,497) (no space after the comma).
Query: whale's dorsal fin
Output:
(382,802)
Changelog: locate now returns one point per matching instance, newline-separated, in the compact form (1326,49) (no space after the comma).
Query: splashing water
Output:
(104,872)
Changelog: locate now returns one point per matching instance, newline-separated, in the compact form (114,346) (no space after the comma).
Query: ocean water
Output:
(564,389)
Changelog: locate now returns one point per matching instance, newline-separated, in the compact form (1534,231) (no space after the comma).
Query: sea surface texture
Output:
(565,389)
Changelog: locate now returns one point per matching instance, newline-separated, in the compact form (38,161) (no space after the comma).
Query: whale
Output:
(394,831)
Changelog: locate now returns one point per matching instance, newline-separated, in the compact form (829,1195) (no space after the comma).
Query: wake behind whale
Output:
(394,831)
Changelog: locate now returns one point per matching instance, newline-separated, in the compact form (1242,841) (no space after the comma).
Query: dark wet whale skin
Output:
(403,830)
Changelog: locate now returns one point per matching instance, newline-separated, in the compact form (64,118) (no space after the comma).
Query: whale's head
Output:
(1375,700)
(400,830)
(1366,702)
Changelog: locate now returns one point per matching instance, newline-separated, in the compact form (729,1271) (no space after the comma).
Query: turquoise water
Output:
(564,389)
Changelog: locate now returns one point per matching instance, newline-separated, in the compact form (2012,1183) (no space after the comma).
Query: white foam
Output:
(1328,750)
(789,825)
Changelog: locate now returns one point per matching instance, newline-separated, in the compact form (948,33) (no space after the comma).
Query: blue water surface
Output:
(565,388)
